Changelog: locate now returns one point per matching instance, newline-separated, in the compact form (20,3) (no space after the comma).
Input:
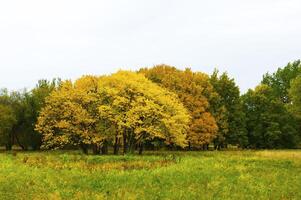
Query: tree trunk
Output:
(8,147)
(9,144)
(104,148)
(36,147)
(125,147)
(189,146)
(96,149)
(131,144)
(116,146)
(24,147)
(84,147)
(140,148)
(171,147)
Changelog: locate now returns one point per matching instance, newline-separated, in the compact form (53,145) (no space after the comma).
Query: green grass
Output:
(161,175)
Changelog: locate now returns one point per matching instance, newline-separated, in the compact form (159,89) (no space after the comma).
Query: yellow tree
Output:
(70,116)
(140,110)
(124,109)
(195,91)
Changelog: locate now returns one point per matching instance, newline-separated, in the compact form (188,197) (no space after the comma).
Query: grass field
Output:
(155,175)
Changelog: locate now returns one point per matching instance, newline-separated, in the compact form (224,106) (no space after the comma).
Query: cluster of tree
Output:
(18,115)
(124,109)
(153,108)
(273,109)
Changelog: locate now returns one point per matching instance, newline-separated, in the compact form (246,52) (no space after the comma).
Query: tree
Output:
(140,111)
(20,131)
(284,85)
(34,101)
(69,117)
(26,106)
(194,90)
(7,120)
(227,109)
(280,80)
(98,111)
(269,124)
(295,95)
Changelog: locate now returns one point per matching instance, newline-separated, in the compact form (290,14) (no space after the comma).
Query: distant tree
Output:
(284,84)
(33,102)
(280,80)
(7,120)
(195,91)
(26,106)
(18,131)
(227,109)
(269,124)
(295,95)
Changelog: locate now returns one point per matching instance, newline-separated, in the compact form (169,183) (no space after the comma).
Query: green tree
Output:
(269,124)
(284,85)
(26,106)
(295,95)
(280,80)
(33,102)
(7,120)
(227,109)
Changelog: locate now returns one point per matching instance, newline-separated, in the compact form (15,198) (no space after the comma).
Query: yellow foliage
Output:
(194,90)
(69,116)
(145,110)
(123,105)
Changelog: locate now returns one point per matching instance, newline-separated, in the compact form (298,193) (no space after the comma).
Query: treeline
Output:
(154,108)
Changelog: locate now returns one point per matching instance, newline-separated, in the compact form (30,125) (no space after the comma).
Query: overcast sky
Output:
(62,38)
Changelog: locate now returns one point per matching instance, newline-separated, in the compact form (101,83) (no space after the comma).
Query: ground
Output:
(155,175)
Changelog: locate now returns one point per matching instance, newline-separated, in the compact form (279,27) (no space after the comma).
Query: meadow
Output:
(155,175)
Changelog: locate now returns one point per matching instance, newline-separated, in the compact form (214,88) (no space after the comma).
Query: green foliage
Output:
(284,85)
(25,107)
(295,94)
(34,101)
(280,80)
(227,109)
(269,124)
(7,120)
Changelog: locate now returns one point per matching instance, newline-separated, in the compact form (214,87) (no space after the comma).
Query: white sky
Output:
(62,38)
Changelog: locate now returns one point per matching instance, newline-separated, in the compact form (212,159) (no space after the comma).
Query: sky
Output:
(70,38)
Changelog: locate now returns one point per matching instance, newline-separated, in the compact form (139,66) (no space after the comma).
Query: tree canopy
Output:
(269,124)
(195,91)
(154,108)
(101,110)
(227,108)
(280,80)
(295,94)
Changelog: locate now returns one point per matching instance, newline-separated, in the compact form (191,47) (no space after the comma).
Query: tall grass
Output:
(163,175)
